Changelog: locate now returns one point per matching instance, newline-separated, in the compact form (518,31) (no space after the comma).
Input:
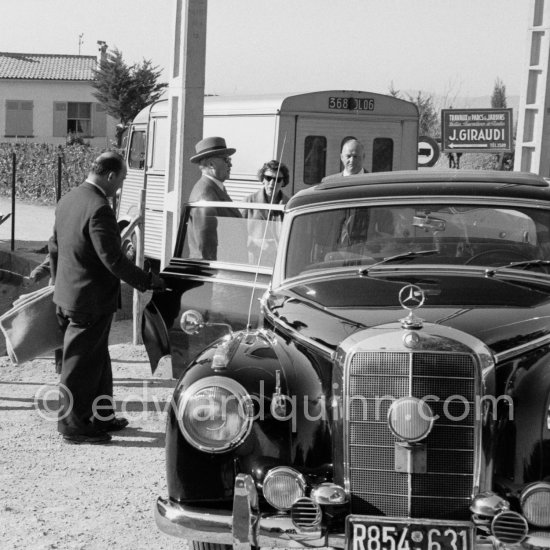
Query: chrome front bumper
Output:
(243,527)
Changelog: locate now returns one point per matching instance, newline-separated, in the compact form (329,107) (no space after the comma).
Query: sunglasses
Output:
(269,179)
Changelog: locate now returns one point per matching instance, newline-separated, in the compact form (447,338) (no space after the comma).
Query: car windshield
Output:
(236,233)
(459,234)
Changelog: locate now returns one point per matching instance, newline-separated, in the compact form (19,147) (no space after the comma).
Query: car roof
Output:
(420,182)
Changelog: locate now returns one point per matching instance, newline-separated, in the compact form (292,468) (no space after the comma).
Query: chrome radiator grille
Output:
(376,487)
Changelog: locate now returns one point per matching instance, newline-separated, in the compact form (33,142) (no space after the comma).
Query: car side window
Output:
(136,154)
(220,232)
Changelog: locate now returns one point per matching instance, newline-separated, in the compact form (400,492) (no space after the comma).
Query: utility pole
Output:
(186,109)
(533,131)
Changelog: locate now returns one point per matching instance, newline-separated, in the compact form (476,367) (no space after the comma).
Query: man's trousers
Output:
(86,382)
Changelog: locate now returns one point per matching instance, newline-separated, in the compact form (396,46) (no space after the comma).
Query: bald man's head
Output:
(352,157)
(107,162)
(108,172)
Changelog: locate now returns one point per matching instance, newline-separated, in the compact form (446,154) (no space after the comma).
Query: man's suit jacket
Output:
(202,231)
(86,257)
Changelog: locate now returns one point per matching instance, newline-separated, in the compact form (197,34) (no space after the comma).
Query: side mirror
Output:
(191,322)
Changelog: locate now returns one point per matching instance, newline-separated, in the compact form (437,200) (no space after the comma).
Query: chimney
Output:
(102,52)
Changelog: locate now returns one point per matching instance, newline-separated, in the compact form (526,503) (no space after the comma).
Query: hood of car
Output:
(501,312)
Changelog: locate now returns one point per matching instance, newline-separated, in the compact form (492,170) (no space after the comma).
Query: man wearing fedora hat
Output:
(213,157)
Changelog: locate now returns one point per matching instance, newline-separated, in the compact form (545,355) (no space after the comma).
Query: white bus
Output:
(304,131)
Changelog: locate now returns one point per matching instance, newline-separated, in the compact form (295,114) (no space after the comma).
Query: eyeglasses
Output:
(269,179)
(227,160)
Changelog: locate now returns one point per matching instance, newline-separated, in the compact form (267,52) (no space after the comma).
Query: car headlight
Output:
(215,414)
(535,503)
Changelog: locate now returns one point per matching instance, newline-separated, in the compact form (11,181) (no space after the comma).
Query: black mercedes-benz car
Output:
(384,385)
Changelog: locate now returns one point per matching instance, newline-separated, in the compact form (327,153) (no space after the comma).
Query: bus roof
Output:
(273,104)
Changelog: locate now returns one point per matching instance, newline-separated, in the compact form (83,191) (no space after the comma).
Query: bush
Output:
(37,166)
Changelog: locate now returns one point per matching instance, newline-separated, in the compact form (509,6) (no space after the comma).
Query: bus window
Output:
(345,140)
(160,144)
(315,159)
(382,155)
(136,156)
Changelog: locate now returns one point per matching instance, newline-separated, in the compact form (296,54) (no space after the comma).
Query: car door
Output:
(223,280)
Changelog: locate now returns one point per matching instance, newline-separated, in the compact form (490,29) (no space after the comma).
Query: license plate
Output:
(379,533)
(351,103)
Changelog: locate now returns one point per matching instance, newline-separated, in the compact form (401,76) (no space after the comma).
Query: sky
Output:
(450,48)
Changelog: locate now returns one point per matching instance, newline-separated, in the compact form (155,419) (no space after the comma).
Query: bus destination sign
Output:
(476,130)
(351,103)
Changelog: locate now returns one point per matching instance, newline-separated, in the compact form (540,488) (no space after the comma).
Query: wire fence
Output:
(42,172)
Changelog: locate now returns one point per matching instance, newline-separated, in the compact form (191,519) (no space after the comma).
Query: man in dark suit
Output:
(87,264)
(213,157)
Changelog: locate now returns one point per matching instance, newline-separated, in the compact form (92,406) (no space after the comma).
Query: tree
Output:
(504,161)
(124,90)
(428,123)
(498,99)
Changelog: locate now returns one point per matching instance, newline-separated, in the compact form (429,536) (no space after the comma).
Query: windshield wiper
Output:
(525,264)
(403,257)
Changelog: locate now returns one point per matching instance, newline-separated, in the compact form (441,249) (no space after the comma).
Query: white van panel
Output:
(159,145)
(254,137)
(155,191)
(153,233)
(128,201)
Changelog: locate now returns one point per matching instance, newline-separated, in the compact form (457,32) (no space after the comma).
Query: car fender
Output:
(290,425)
(528,432)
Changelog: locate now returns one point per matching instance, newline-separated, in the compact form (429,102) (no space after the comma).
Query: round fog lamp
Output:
(410,419)
(283,486)
(535,504)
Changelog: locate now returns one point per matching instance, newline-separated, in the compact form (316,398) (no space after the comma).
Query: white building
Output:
(45,98)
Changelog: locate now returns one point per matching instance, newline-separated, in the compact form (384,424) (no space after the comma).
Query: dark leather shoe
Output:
(114,425)
(95,439)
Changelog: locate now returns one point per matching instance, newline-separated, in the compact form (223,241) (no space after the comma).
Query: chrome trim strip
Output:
(234,282)
(508,354)
(177,262)
(418,199)
(239,204)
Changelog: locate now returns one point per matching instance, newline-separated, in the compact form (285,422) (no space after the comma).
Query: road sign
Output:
(476,130)
(428,151)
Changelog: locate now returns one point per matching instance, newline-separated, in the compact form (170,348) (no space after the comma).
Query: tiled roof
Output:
(37,66)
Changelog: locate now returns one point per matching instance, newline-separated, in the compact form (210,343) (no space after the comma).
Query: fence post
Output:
(13,172)
(58,189)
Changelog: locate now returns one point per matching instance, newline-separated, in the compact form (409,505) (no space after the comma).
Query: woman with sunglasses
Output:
(274,175)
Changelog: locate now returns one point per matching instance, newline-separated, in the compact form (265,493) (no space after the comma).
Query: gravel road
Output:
(54,495)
